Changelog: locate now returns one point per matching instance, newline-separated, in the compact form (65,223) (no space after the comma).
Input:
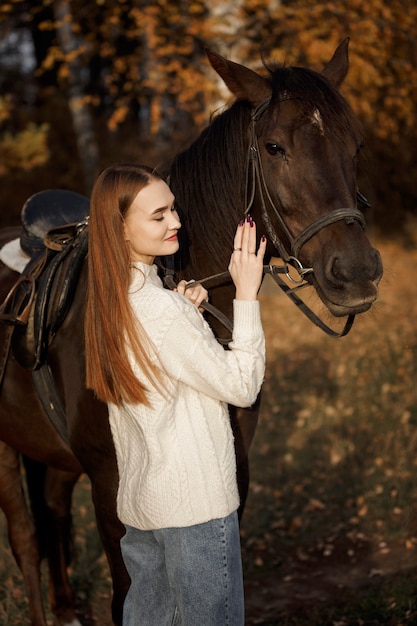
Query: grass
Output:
(329,535)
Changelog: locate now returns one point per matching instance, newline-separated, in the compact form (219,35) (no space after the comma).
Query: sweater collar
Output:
(142,272)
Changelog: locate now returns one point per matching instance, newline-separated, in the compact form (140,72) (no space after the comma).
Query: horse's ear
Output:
(338,66)
(244,83)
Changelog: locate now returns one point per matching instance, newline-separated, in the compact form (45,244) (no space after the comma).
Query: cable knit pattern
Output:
(176,458)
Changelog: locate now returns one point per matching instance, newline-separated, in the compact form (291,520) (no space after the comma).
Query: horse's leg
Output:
(21,529)
(244,422)
(51,495)
(59,487)
(111,530)
(92,444)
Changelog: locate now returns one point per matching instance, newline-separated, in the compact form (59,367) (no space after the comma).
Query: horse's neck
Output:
(209,182)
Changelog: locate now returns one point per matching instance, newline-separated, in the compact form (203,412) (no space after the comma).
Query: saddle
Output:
(48,211)
(55,237)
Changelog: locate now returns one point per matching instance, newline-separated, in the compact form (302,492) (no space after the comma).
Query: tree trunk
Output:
(80,111)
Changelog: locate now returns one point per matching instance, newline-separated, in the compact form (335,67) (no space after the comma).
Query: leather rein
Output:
(255,181)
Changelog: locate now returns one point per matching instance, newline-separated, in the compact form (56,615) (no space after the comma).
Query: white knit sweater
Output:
(176,458)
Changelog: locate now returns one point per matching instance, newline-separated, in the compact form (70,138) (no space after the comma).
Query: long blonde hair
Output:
(110,326)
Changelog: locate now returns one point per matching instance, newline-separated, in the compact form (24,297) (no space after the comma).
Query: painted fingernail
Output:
(241,222)
(252,223)
(263,238)
(248,218)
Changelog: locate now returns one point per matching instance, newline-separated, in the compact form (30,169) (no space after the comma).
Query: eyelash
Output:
(159,219)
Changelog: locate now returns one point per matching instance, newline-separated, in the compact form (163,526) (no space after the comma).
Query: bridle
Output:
(255,182)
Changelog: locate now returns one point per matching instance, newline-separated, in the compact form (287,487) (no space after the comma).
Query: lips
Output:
(172,238)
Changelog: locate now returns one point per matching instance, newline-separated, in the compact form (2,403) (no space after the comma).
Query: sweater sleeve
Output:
(191,354)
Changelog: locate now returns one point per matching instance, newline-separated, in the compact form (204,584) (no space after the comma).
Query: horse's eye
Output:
(274,149)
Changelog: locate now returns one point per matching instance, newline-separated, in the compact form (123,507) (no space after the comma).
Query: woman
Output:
(167,382)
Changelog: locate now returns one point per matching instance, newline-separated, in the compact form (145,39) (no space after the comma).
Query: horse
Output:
(286,152)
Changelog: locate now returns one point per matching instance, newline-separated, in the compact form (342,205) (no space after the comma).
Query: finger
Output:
(237,242)
(196,293)
(252,238)
(201,297)
(249,236)
(244,237)
(262,247)
(181,286)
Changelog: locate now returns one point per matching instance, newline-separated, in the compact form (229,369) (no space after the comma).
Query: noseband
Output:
(256,181)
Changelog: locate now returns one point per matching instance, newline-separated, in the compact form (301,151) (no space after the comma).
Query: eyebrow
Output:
(163,208)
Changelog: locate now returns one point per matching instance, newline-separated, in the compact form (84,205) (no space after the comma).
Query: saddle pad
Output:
(12,255)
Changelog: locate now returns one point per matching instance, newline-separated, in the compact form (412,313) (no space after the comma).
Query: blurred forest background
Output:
(86,82)
(329,535)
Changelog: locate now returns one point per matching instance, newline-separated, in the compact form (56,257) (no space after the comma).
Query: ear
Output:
(241,81)
(338,66)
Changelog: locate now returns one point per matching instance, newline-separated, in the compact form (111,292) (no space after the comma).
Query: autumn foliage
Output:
(135,72)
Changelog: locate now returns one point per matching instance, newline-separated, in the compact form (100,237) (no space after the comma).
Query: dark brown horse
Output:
(286,151)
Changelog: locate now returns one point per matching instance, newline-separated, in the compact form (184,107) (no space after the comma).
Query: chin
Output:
(173,246)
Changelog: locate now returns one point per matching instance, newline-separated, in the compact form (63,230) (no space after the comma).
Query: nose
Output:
(175,220)
(346,270)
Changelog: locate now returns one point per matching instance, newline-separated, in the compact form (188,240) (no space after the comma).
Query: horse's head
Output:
(304,145)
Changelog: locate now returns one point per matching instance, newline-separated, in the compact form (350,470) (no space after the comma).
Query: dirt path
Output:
(304,583)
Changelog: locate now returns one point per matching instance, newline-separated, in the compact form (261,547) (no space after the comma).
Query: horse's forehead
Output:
(292,114)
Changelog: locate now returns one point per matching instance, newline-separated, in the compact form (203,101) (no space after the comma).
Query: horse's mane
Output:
(209,178)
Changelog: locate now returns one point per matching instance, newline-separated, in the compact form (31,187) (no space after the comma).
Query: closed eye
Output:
(161,213)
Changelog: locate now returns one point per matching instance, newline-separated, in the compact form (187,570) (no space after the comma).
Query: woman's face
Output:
(151,223)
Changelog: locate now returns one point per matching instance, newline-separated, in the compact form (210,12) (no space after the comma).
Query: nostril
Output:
(342,271)
(338,273)
(377,266)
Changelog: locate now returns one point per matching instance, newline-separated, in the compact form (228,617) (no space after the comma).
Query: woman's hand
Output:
(246,263)
(193,291)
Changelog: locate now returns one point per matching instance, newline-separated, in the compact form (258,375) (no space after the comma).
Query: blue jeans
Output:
(184,576)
